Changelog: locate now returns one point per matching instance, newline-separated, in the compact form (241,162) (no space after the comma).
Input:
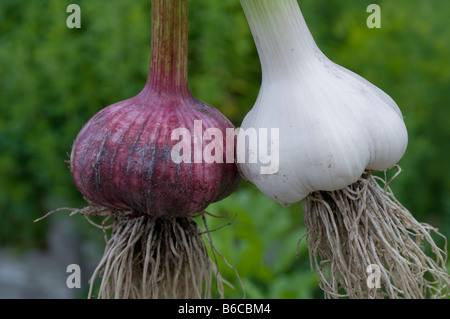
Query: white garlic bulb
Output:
(333,124)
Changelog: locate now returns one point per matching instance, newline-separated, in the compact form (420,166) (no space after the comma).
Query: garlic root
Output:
(362,225)
(149,258)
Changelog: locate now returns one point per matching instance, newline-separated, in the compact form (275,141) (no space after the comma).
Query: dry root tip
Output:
(91,210)
(150,257)
(364,226)
(147,257)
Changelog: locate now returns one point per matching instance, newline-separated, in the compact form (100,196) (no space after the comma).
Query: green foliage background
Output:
(53,79)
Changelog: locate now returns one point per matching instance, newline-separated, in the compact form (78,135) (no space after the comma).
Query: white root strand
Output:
(362,225)
(150,258)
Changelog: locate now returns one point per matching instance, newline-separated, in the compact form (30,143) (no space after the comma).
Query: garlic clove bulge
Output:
(333,124)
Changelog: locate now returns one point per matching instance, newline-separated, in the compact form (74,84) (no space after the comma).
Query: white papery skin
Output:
(333,124)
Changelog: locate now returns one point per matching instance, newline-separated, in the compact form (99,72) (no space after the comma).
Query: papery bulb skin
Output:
(122,157)
(333,124)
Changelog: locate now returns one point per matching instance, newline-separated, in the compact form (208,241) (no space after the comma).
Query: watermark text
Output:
(251,146)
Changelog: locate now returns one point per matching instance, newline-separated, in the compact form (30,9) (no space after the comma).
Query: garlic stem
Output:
(169,47)
(282,37)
